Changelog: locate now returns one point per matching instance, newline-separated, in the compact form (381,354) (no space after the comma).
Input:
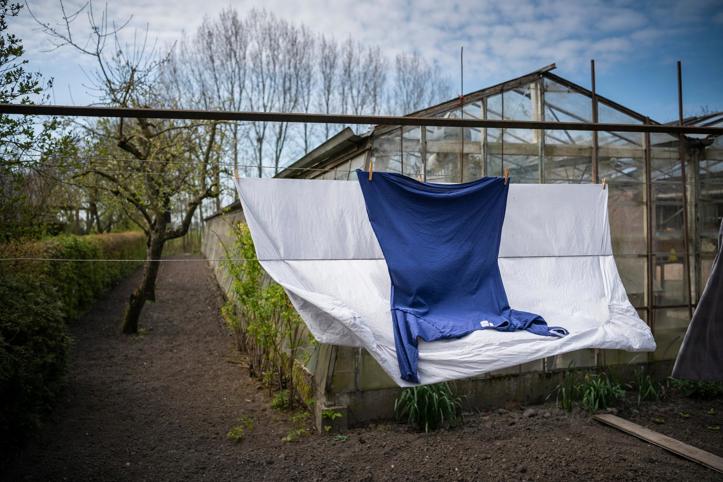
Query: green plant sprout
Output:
(238,432)
(429,407)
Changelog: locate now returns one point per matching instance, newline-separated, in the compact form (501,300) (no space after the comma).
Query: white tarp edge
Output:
(314,239)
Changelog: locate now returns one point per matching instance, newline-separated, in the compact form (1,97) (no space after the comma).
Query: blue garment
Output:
(441,242)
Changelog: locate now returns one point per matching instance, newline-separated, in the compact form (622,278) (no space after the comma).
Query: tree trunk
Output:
(77,229)
(147,290)
(95,217)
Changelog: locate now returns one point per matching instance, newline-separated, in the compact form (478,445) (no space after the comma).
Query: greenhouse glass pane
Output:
(494,137)
(358,163)
(668,244)
(609,115)
(494,165)
(670,327)
(444,154)
(444,151)
(387,154)
(523,169)
(328,175)
(665,162)
(623,169)
(568,163)
(710,199)
(626,211)
(342,171)
(563,104)
(412,153)
(472,167)
(518,105)
(633,273)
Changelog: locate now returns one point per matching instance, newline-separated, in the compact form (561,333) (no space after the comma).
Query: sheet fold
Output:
(555,259)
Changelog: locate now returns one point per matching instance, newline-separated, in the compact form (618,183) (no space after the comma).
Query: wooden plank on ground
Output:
(702,457)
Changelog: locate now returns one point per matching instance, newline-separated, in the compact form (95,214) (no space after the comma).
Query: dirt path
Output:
(152,407)
(158,407)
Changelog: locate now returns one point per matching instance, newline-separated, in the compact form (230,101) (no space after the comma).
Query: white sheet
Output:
(314,238)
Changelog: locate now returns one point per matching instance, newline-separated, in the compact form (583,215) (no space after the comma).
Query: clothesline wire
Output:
(99,260)
(181,163)
(166,260)
(225,165)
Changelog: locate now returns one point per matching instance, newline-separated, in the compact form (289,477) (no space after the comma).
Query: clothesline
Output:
(98,260)
(178,162)
(165,260)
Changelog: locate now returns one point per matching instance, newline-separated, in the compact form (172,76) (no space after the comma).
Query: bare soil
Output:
(158,407)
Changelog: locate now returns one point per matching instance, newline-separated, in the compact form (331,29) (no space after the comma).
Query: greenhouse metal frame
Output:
(663,247)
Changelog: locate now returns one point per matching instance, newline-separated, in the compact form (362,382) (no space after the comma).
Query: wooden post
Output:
(595,167)
(683,155)
(461,112)
(540,110)
(649,227)
(502,131)
(483,138)
(401,149)
(423,152)
(694,183)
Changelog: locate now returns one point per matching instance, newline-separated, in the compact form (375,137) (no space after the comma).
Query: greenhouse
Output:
(664,264)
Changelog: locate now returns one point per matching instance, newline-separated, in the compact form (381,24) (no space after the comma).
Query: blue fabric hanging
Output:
(441,242)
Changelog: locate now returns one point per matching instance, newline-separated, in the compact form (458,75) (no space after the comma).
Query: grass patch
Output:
(429,407)
(239,431)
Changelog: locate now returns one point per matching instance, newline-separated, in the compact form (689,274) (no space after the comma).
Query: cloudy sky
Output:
(635,43)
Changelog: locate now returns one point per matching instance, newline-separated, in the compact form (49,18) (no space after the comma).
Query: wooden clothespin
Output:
(371,168)
(507,175)
(604,183)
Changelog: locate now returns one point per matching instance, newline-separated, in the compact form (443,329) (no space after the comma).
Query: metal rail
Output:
(684,181)
(298,117)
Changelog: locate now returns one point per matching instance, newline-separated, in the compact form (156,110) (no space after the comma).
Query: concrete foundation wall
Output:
(217,240)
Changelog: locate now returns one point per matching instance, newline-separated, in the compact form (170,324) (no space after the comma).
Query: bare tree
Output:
(218,56)
(374,78)
(151,164)
(307,81)
(287,86)
(328,66)
(362,79)
(416,84)
(235,51)
(263,75)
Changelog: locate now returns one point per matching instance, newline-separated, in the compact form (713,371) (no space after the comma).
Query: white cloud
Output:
(501,38)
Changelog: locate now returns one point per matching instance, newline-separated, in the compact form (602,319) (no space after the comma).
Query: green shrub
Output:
(238,432)
(33,353)
(429,407)
(36,299)
(300,421)
(566,391)
(263,320)
(646,388)
(77,283)
(280,400)
(592,391)
(598,392)
(696,389)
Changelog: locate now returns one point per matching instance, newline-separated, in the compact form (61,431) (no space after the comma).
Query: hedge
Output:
(37,299)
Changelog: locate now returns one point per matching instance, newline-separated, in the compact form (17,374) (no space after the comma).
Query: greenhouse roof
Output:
(557,104)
